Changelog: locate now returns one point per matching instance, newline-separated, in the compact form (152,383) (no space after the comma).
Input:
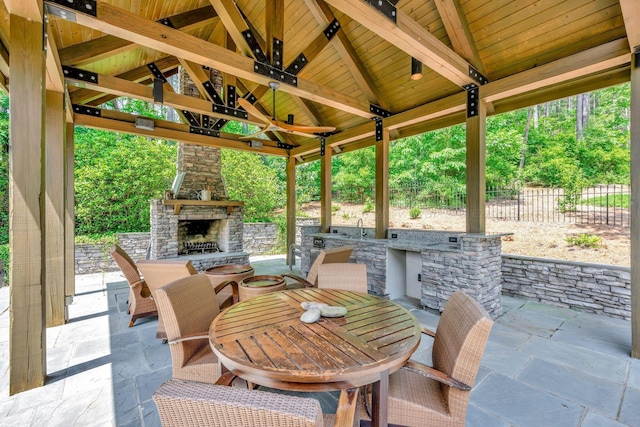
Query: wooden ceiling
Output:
(529,51)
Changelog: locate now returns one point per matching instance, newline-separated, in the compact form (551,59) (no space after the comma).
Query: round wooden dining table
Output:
(263,341)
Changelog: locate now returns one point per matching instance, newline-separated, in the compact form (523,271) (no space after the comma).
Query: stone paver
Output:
(543,365)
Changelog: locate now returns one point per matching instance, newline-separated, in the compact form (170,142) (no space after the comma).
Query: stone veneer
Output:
(203,170)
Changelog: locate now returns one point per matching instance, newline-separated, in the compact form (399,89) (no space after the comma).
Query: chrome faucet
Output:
(360,225)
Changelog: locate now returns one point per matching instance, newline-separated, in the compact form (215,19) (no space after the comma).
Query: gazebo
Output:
(352,65)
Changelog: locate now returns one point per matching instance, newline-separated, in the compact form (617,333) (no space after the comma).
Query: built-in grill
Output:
(201,247)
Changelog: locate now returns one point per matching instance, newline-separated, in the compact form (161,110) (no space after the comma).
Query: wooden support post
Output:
(325,191)
(27,358)
(382,185)
(291,208)
(54,208)
(635,205)
(69,220)
(476,165)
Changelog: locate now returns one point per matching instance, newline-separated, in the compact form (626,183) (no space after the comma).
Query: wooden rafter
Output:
(458,31)
(55,78)
(124,24)
(103,47)
(631,14)
(235,24)
(274,17)
(28,9)
(410,37)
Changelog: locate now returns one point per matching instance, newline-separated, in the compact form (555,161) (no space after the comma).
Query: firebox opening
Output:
(201,236)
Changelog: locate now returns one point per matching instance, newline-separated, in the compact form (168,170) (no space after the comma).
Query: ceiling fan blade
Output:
(251,109)
(303,129)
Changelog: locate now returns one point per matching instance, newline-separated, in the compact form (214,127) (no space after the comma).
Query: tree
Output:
(4,169)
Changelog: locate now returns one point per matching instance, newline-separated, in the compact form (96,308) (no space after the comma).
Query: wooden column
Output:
(291,206)
(635,205)
(325,191)
(54,208)
(69,218)
(27,358)
(476,164)
(382,185)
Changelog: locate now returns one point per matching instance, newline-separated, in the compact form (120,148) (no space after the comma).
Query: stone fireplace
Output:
(180,226)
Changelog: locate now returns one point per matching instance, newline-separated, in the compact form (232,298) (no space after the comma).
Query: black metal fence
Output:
(603,204)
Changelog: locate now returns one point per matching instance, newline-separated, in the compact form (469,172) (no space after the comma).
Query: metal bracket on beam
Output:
(86,110)
(191,118)
(273,73)
(277,49)
(473,95)
(322,146)
(379,111)
(251,98)
(383,6)
(167,22)
(235,112)
(61,13)
(203,131)
(256,50)
(155,71)
(219,124)
(84,6)
(332,29)
(297,64)
(285,146)
(78,74)
(206,120)
(477,76)
(231,96)
(290,119)
(378,129)
(213,93)
(158,91)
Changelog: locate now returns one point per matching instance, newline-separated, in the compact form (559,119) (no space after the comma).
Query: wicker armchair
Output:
(420,395)
(188,307)
(141,304)
(158,273)
(186,404)
(327,256)
(345,276)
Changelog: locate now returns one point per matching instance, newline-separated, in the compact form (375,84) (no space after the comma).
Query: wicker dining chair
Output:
(188,404)
(141,304)
(345,276)
(188,306)
(158,273)
(341,254)
(420,395)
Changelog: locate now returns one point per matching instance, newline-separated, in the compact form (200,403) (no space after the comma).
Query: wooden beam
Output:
(291,208)
(382,185)
(325,191)
(631,15)
(476,169)
(4,60)
(124,24)
(28,9)
(54,208)
(27,358)
(455,23)
(235,24)
(410,37)
(69,218)
(55,78)
(635,207)
(274,18)
(172,134)
(100,48)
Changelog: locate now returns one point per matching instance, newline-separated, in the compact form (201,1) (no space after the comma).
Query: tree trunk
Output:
(526,137)
(535,117)
(579,117)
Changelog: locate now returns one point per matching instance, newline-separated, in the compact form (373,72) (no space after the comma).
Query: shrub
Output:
(414,213)
(584,241)
(4,256)
(346,216)
(368,206)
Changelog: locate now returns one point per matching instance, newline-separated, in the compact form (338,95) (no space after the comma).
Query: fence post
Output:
(519,190)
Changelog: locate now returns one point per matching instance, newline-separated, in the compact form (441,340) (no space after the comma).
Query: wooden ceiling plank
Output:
(106,46)
(274,18)
(4,60)
(55,78)
(631,14)
(28,9)
(123,24)
(410,37)
(348,54)
(172,134)
(455,23)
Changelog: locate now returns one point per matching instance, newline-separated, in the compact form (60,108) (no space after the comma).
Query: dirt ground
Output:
(539,239)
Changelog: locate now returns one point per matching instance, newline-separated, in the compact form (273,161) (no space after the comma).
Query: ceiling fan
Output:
(275,125)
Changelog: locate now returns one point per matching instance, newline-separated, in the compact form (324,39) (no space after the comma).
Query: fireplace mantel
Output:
(178,203)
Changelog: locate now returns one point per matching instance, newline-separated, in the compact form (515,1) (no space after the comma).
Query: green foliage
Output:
(4,256)
(414,213)
(354,175)
(368,206)
(248,179)
(116,175)
(335,208)
(4,170)
(346,216)
(612,201)
(107,239)
(584,241)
